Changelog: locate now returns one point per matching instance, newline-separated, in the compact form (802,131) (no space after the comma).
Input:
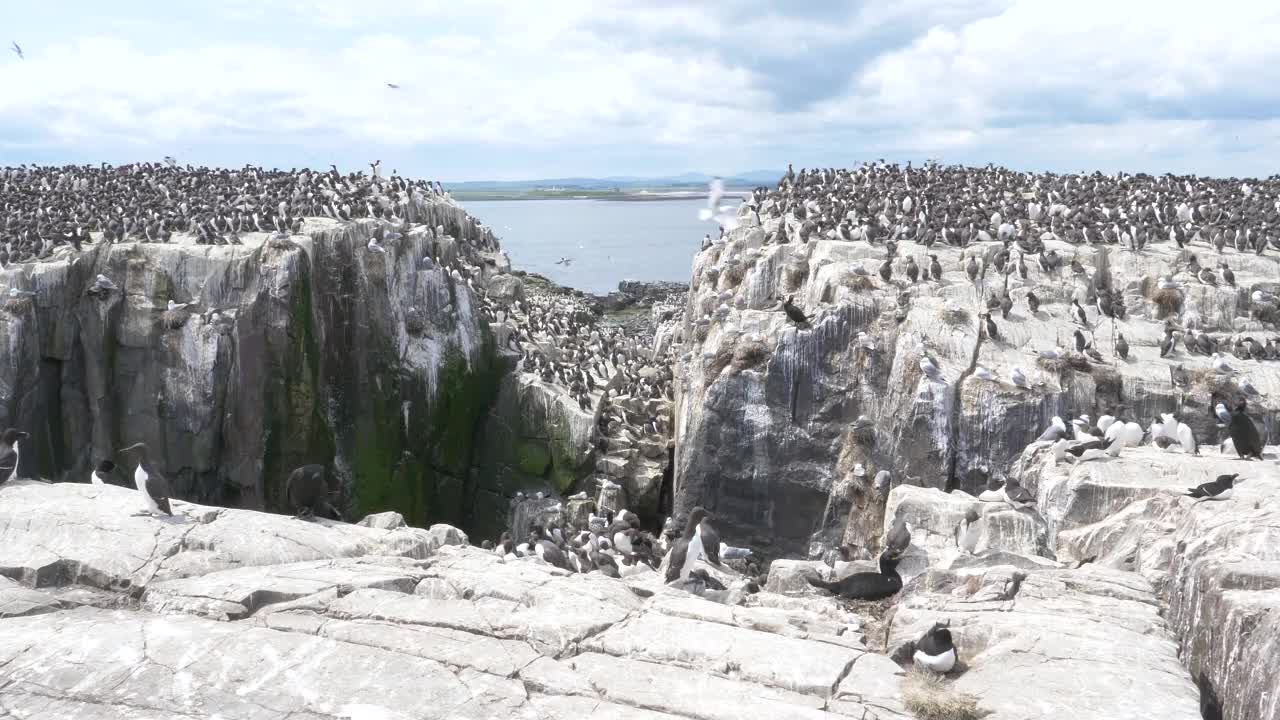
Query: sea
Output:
(606,241)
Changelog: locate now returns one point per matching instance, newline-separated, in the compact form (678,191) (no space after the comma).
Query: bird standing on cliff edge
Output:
(9,453)
(152,486)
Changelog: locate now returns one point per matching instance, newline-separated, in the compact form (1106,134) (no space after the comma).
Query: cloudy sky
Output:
(548,88)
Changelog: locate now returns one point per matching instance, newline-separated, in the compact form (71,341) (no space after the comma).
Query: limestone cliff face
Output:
(317,350)
(765,411)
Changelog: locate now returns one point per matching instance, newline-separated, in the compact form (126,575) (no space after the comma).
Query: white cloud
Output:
(738,83)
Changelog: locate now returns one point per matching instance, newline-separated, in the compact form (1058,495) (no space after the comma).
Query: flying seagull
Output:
(723,215)
(393,86)
(18,49)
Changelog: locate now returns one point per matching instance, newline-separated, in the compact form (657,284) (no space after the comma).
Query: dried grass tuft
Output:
(927,696)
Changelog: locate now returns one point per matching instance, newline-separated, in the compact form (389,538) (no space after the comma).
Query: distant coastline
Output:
(654,195)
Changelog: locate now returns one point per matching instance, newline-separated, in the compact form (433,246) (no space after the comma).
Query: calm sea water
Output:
(608,241)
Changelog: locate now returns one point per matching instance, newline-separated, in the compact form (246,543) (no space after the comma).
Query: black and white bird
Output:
(152,486)
(10,453)
(1219,489)
(935,650)
(307,493)
(686,550)
(104,474)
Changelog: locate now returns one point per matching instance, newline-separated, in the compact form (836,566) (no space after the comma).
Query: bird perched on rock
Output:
(1018,496)
(796,314)
(687,548)
(10,453)
(102,286)
(104,474)
(935,650)
(1220,489)
(865,585)
(307,493)
(1244,434)
(152,486)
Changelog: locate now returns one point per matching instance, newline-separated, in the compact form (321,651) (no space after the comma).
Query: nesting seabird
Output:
(865,585)
(10,453)
(152,486)
(935,650)
(1018,496)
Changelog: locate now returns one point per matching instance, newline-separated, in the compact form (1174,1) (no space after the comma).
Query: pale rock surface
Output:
(1216,565)
(324,620)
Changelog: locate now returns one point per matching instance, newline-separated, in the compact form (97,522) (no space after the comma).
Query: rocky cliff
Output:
(314,349)
(782,429)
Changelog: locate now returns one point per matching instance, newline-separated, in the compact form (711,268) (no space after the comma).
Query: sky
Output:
(562,88)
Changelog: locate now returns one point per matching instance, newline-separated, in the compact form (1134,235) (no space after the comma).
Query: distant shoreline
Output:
(656,195)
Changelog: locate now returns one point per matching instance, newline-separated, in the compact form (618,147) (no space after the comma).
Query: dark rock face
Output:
(293,354)
(767,413)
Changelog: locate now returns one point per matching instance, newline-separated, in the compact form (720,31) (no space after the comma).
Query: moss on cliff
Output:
(295,427)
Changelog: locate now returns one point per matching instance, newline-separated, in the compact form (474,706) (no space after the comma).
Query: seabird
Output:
(10,453)
(1219,489)
(103,474)
(898,538)
(17,49)
(723,215)
(1018,496)
(393,86)
(1056,430)
(1244,434)
(152,486)
(982,373)
(307,493)
(1122,347)
(967,532)
(687,548)
(710,540)
(1019,377)
(865,585)
(796,314)
(931,370)
(1220,364)
(935,650)
(102,284)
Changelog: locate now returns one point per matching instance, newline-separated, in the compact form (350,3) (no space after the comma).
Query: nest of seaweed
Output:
(956,316)
(174,319)
(17,306)
(415,323)
(1168,302)
(861,282)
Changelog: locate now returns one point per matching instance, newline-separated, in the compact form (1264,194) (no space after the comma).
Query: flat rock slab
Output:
(89,534)
(181,666)
(1076,643)
(788,663)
